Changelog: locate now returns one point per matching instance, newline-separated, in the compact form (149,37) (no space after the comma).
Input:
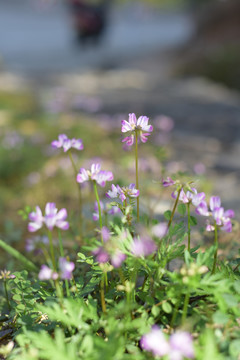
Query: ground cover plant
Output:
(129,283)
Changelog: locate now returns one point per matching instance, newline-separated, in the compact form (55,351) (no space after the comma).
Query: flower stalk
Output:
(216,245)
(99,207)
(189,226)
(136,165)
(79,192)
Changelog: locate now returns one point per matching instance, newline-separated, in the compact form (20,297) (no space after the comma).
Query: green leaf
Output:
(235,348)
(220,318)
(193,221)
(182,209)
(167,214)
(230,300)
(167,308)
(17,297)
(155,311)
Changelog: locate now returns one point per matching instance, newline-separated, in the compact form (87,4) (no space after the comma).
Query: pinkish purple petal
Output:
(215,202)
(202,209)
(155,342)
(168,182)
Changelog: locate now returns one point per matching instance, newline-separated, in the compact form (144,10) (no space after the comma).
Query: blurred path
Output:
(37,39)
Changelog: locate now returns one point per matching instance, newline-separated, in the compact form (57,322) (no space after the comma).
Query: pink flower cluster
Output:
(221,217)
(65,271)
(179,346)
(66,143)
(52,218)
(133,126)
(190,196)
(122,192)
(109,252)
(95,174)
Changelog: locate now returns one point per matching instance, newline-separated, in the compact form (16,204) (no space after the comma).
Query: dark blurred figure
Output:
(89,19)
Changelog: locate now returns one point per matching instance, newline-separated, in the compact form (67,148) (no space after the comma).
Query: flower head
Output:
(66,268)
(47,274)
(221,217)
(143,246)
(135,126)
(181,346)
(66,143)
(52,218)
(6,274)
(123,192)
(155,342)
(95,174)
(168,182)
(190,196)
(109,251)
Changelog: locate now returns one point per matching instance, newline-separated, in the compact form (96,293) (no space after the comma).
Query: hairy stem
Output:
(216,251)
(52,250)
(136,163)
(189,227)
(6,294)
(102,296)
(99,207)
(174,208)
(79,192)
(185,307)
(62,255)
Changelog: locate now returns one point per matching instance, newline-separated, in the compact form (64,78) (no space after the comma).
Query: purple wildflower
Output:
(181,346)
(221,217)
(66,268)
(117,258)
(46,273)
(52,218)
(101,255)
(108,251)
(6,274)
(95,174)
(155,342)
(143,246)
(190,196)
(133,126)
(160,230)
(168,182)
(202,209)
(36,220)
(66,143)
(123,192)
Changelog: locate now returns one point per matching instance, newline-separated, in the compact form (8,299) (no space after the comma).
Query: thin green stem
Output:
(216,251)
(185,307)
(62,255)
(99,206)
(79,191)
(189,227)
(134,280)
(102,296)
(6,294)
(175,312)
(136,163)
(52,250)
(174,208)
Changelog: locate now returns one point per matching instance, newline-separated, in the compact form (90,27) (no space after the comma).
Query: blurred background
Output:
(79,67)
